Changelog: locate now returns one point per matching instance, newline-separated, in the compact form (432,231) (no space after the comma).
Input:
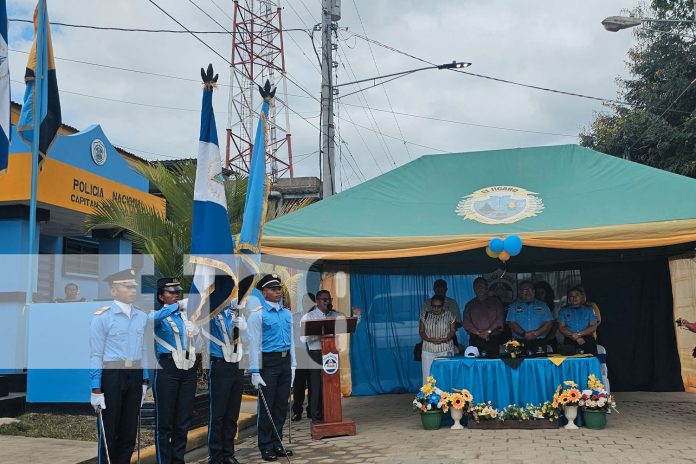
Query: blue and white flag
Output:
(256,203)
(4,89)
(212,244)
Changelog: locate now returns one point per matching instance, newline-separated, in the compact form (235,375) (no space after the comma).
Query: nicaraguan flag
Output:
(212,245)
(4,89)
(256,199)
(40,63)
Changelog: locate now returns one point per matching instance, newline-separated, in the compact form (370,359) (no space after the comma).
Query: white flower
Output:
(587,392)
(430,406)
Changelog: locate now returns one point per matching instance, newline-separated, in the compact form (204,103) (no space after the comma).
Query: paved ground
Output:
(39,450)
(646,432)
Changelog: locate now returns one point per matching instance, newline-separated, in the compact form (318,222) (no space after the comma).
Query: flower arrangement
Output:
(513,347)
(549,411)
(431,398)
(568,396)
(596,397)
(514,412)
(484,412)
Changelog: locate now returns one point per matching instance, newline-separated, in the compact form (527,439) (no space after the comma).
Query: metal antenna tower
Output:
(257,55)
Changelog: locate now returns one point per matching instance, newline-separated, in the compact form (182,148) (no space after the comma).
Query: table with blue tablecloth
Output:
(533,382)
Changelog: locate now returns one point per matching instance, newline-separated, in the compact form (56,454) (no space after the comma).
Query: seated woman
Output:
(71,294)
(436,328)
(578,322)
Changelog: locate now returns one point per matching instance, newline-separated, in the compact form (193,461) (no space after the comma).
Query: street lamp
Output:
(396,75)
(617,23)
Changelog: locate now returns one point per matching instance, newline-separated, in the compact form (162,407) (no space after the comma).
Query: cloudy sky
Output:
(546,43)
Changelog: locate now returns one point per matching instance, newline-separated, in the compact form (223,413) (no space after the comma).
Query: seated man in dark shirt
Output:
(484,317)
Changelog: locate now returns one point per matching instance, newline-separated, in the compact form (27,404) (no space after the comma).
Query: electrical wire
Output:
(211,18)
(386,94)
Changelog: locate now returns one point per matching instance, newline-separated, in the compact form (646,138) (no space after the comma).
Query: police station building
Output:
(82,169)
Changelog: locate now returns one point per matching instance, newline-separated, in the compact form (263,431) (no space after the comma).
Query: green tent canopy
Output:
(563,197)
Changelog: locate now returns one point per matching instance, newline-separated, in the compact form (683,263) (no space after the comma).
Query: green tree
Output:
(168,239)
(657,126)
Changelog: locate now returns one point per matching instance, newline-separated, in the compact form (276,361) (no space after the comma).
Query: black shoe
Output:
(280,453)
(230,460)
(268,455)
(296,417)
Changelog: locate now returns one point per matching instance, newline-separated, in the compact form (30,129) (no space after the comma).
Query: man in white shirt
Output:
(323,310)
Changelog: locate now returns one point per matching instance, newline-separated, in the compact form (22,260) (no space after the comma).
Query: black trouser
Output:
(316,400)
(490,346)
(123,392)
(533,345)
(277,374)
(174,391)
(298,388)
(589,347)
(225,385)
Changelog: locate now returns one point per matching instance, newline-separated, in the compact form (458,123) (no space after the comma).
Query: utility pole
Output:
(331,11)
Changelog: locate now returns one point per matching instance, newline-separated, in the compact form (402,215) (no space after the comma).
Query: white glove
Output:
(240,323)
(142,400)
(97,400)
(183,303)
(257,381)
(292,378)
(191,328)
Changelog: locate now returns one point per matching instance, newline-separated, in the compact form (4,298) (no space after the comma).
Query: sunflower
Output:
(427,389)
(563,399)
(430,379)
(467,396)
(573,395)
(457,401)
(494,413)
(555,403)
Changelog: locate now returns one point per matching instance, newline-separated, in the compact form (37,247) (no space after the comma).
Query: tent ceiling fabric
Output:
(566,197)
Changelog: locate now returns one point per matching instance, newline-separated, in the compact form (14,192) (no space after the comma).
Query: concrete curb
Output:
(197,438)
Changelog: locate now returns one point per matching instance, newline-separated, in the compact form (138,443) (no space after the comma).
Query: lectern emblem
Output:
(330,363)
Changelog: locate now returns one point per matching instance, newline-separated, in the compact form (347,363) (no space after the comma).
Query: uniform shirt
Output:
(269,331)
(164,330)
(314,341)
(437,327)
(576,319)
(114,336)
(530,316)
(488,314)
(450,306)
(216,328)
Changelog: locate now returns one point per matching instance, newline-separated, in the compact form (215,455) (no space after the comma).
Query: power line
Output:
(386,94)
(206,13)
(130,29)
(463,123)
(221,10)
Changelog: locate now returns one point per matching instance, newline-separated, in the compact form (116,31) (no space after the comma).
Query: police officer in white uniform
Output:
(118,379)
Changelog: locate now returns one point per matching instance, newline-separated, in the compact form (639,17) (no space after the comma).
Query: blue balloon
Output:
(513,245)
(496,245)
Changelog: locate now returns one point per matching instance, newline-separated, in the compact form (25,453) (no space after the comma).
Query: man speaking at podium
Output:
(323,310)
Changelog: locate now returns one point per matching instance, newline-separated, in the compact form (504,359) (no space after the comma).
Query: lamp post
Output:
(328,141)
(617,23)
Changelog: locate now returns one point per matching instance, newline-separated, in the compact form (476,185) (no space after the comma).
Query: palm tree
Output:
(168,239)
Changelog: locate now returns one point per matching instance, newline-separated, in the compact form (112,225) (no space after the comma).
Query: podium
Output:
(333,424)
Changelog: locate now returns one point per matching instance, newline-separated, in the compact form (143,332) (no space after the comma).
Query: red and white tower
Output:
(257,55)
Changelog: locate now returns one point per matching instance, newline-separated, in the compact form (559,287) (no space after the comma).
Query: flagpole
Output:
(37,101)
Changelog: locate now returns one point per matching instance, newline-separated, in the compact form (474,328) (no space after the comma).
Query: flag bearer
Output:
(118,380)
(225,383)
(174,384)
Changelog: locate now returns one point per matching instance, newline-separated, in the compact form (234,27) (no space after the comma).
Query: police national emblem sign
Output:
(500,204)
(98,150)
(330,363)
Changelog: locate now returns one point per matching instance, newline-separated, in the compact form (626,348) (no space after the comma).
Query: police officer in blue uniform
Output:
(529,319)
(272,364)
(578,323)
(118,379)
(225,383)
(174,383)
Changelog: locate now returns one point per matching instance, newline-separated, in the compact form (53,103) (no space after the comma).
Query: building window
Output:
(80,257)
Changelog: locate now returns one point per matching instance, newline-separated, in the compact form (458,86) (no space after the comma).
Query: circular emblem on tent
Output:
(98,152)
(330,363)
(500,204)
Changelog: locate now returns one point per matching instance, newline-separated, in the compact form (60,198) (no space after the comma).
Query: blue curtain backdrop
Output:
(381,354)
